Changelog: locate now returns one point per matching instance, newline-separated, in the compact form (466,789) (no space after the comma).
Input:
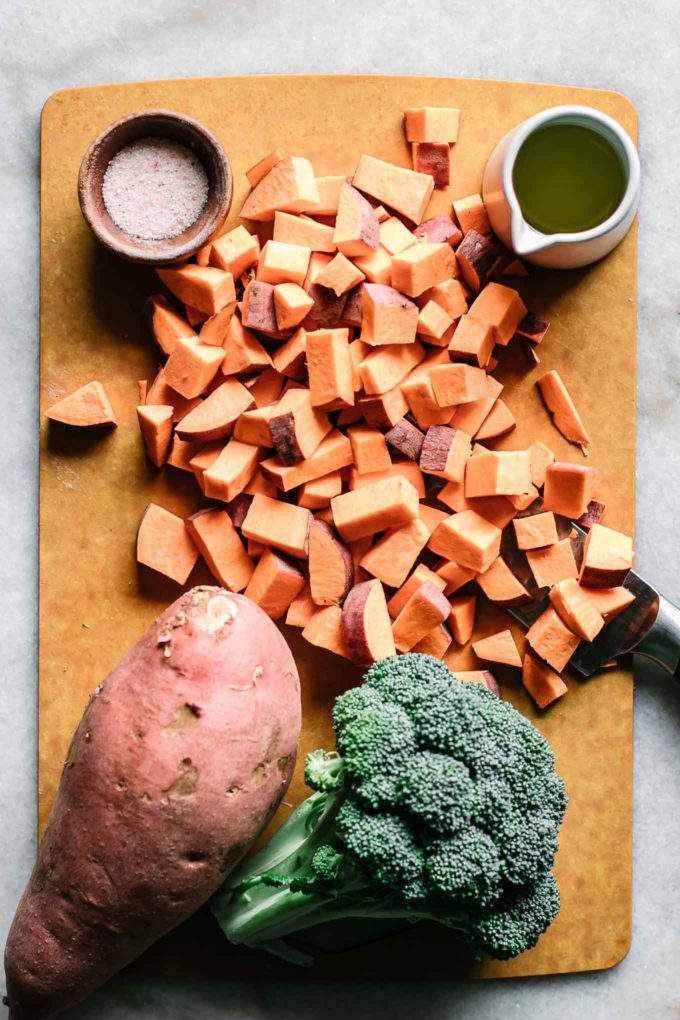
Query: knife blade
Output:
(650,625)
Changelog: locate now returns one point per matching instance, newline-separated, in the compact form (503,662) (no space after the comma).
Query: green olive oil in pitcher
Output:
(567,178)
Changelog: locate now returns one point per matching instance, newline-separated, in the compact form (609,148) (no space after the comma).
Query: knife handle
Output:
(662,642)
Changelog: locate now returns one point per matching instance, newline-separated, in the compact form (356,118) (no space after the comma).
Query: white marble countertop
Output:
(627,46)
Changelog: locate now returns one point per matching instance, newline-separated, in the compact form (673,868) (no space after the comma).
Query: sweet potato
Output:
(439,228)
(607,558)
(433,158)
(164,544)
(553,563)
(296,427)
(84,408)
(462,617)
(576,609)
(181,757)
(332,453)
(385,367)
(473,340)
(559,402)
(204,288)
(356,225)
(167,326)
(302,230)
(535,531)
(369,449)
(500,648)
(422,266)
(289,186)
(389,503)
(424,610)
(552,640)
(432,124)
(492,473)
(477,257)
(471,214)
(393,555)
(340,275)
(366,627)
(191,367)
(467,539)
(280,262)
(387,317)
(275,582)
(214,418)
(500,585)
(405,191)
(445,452)
(235,251)
(406,439)
(498,422)
(394,236)
(569,488)
(331,568)
(281,525)
(155,423)
(543,684)
(479,676)
(421,574)
(329,367)
(376,267)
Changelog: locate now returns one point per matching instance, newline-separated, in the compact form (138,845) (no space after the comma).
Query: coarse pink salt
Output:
(154,188)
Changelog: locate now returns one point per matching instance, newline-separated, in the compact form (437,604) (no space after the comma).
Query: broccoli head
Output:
(441,803)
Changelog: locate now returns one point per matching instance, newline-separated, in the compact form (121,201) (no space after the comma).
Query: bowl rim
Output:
(138,251)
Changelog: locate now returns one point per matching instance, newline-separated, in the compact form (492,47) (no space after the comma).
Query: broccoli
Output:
(441,803)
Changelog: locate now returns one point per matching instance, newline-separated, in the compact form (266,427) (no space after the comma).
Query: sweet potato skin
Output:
(182,755)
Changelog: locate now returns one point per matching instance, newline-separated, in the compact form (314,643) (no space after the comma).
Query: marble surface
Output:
(623,45)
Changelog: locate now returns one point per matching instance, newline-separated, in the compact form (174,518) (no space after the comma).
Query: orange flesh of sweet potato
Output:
(432,124)
(180,758)
(218,542)
(384,409)
(607,558)
(407,468)
(340,275)
(462,617)
(333,453)
(231,471)
(324,630)
(569,488)
(445,452)
(303,231)
(467,539)
(552,640)
(181,454)
(472,341)
(436,643)
(499,421)
(280,262)
(500,585)
(394,236)
(191,367)
(262,167)
(331,567)
(493,473)
(160,393)
(329,195)
(317,495)
(421,574)
(274,584)
(458,384)
(552,564)
(297,427)
(301,609)
(253,426)
(86,407)
(235,251)
(502,308)
(610,601)
(542,683)
(376,267)
(500,648)
(479,676)
(329,366)
(356,225)
(281,525)
(387,317)
(385,367)
(204,288)
(525,500)
(422,266)
(214,418)
(242,351)
(560,404)
(215,330)
(424,610)
(393,555)
(164,544)
(496,509)
(439,228)
(405,191)
(369,449)
(167,325)
(290,358)
(435,324)
(388,503)
(471,214)
(202,460)
(155,423)
(536,531)
(576,609)
(453,575)
(289,186)
(541,457)
(366,627)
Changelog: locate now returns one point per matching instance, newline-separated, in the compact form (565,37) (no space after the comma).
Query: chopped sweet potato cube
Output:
(155,423)
(388,503)
(532,326)
(369,449)
(366,624)
(607,558)
(593,514)
(560,404)
(357,231)
(500,648)
(432,124)
(417,389)
(383,409)
(259,484)
(493,473)
(324,630)
(394,236)
(301,609)
(253,426)
(332,453)
(164,544)
(290,359)
(535,531)
(500,585)
(167,325)
(496,509)
(498,422)
(291,305)
(479,676)
(405,191)
(541,456)
(258,310)
(576,609)
(329,195)
(301,230)
(181,454)
(406,468)
(262,167)
(434,322)
(458,384)
(462,617)
(235,251)
(274,584)
(376,267)
(423,611)
(331,567)
(439,228)
(214,417)
(393,555)
(469,417)
(609,602)
(86,407)
(242,351)
(296,426)
(385,367)
(387,317)
(553,563)
(468,539)
(445,452)
(433,158)
(215,329)
(450,294)
(422,266)
(231,471)
(542,683)
(327,310)
(191,367)
(280,262)
(203,287)
(329,367)
(472,341)
(406,439)
(471,214)
(569,488)
(317,494)
(280,525)
(290,186)
(421,574)
(477,257)
(502,308)
(340,275)
(221,547)
(552,640)
(453,575)
(436,643)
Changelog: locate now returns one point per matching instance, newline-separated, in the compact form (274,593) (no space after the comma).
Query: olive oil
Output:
(567,178)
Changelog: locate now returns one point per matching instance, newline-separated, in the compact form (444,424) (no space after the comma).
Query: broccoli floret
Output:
(441,803)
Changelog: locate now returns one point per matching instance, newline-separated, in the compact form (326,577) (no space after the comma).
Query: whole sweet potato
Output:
(181,757)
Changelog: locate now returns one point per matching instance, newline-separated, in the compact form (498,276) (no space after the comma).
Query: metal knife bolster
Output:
(662,642)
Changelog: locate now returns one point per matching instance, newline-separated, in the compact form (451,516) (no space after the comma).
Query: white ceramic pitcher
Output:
(567,250)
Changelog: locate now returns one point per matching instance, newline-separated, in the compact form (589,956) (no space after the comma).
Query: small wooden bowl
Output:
(164,124)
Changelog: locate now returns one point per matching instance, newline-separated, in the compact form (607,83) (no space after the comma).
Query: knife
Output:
(650,626)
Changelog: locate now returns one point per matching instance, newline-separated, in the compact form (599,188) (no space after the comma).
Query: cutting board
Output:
(94,603)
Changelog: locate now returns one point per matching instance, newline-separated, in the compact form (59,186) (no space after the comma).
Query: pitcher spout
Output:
(525,239)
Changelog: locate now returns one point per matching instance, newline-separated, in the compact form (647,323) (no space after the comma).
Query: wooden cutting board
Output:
(94,487)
